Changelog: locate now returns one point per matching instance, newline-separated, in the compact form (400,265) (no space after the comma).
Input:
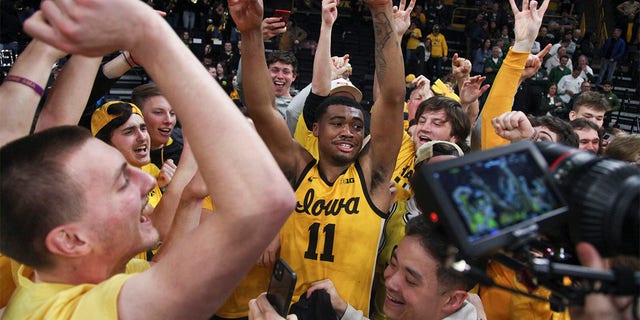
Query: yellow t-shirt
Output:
(64,301)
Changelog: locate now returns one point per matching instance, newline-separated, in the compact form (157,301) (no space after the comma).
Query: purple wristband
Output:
(37,88)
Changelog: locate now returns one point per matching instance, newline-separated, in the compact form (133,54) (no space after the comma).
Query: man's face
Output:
(617,32)
(115,195)
(588,113)
(132,140)
(585,87)
(607,87)
(495,53)
(340,132)
(432,125)
(413,291)
(160,119)
(589,139)
(563,62)
(227,47)
(282,76)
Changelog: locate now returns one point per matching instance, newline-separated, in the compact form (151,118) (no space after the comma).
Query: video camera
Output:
(509,200)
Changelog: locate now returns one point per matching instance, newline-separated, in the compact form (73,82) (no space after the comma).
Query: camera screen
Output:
(499,192)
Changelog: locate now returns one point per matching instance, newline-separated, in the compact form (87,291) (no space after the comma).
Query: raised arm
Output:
(500,99)
(387,115)
(68,97)
(19,98)
(221,139)
(321,78)
(261,102)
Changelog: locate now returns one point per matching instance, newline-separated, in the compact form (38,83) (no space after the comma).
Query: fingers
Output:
(589,256)
(402,4)
(454,59)
(543,7)
(484,88)
(412,3)
(514,8)
(544,51)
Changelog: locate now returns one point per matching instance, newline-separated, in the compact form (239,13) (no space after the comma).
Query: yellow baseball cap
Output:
(102,116)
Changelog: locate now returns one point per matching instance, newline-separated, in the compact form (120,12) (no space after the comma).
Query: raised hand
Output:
(92,28)
(402,17)
(338,66)
(329,11)
(534,62)
(527,23)
(460,68)
(273,26)
(247,14)
(472,89)
(513,126)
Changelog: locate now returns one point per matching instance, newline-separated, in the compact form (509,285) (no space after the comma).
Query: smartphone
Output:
(283,281)
(284,14)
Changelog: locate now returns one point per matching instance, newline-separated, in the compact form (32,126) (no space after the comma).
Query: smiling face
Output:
(117,220)
(132,140)
(282,76)
(432,125)
(413,291)
(589,139)
(340,132)
(160,119)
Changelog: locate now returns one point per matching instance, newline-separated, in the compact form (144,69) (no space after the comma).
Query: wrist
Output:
(534,136)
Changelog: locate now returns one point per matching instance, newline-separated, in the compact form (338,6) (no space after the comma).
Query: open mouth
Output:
(141,150)
(345,147)
(394,300)
(165,131)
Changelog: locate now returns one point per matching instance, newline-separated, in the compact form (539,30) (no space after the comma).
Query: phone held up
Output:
(281,286)
(284,14)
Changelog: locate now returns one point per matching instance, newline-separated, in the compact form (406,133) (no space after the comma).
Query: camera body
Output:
(505,197)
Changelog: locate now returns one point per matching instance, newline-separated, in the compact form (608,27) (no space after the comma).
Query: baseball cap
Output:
(102,116)
(344,85)
(437,148)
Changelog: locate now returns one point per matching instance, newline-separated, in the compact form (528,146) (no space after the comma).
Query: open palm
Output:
(247,14)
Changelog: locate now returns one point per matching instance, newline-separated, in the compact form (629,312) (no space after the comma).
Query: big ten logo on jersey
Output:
(403,178)
(348,180)
(327,207)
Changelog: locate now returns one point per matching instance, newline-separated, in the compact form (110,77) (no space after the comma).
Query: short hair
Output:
(285,57)
(436,244)
(460,122)
(336,100)
(562,128)
(141,93)
(624,147)
(582,123)
(593,99)
(37,194)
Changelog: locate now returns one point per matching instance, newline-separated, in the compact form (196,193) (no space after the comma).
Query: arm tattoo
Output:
(382,29)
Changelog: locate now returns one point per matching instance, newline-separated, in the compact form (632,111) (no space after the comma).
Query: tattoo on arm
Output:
(382,29)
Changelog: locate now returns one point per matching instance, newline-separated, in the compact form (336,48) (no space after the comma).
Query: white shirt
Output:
(568,82)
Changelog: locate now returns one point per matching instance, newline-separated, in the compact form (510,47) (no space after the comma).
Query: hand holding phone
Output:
(281,286)
(283,14)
